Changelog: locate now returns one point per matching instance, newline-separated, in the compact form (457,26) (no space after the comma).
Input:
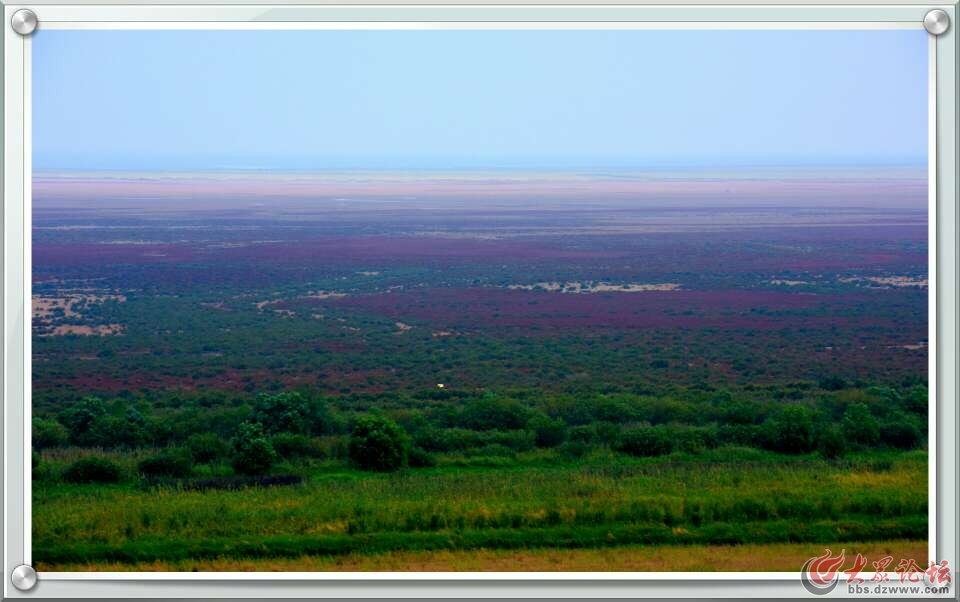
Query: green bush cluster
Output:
(206,447)
(378,443)
(92,469)
(646,441)
(177,463)
(253,452)
(253,433)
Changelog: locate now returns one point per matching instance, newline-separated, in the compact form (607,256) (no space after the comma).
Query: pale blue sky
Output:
(459,99)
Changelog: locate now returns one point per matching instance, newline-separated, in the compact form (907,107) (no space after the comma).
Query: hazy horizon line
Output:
(592,169)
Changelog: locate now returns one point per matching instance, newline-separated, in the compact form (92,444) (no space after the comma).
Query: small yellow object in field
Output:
(440,385)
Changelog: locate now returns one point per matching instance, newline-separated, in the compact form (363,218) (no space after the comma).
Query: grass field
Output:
(743,557)
(538,512)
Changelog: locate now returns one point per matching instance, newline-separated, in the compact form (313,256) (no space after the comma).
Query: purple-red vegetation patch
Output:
(484,307)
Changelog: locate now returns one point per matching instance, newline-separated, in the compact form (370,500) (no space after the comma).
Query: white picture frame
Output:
(125,14)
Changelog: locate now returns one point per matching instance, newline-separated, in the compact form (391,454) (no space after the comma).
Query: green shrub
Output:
(252,451)
(609,409)
(378,443)
(607,433)
(493,449)
(900,431)
(832,383)
(790,431)
(596,434)
(831,442)
(917,400)
(113,432)
(739,411)
(418,457)
(92,469)
(289,445)
(430,439)
(40,470)
(492,413)
(740,434)
(333,446)
(581,434)
(692,439)
(574,449)
(281,413)
(206,447)
(519,440)
(549,432)
(442,440)
(661,410)
(49,433)
(172,463)
(859,425)
(78,418)
(159,431)
(646,441)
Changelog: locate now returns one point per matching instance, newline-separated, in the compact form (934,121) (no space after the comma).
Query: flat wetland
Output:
(477,372)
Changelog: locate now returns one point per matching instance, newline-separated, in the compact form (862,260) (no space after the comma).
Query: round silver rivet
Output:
(936,21)
(23,577)
(24,21)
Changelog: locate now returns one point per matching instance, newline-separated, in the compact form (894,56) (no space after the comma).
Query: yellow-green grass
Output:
(598,503)
(745,557)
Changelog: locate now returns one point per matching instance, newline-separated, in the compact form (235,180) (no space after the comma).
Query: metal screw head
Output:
(23,577)
(936,21)
(24,21)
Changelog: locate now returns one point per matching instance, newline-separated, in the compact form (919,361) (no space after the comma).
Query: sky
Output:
(206,100)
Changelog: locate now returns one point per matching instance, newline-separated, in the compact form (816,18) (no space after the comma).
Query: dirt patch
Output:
(790,282)
(909,346)
(324,295)
(311,295)
(889,281)
(50,312)
(99,330)
(596,287)
(68,304)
